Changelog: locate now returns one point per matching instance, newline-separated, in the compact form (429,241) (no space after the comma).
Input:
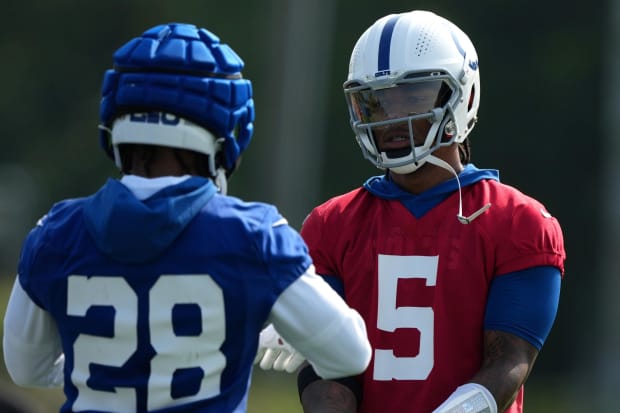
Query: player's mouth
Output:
(393,139)
(395,142)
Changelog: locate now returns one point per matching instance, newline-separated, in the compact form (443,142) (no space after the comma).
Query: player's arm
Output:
(317,322)
(316,395)
(31,343)
(507,362)
(513,336)
(328,396)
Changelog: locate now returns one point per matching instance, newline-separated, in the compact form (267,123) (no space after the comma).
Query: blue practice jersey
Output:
(159,302)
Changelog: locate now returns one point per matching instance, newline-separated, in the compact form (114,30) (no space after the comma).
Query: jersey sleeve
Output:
(284,252)
(43,248)
(533,238)
(533,294)
(27,264)
(318,245)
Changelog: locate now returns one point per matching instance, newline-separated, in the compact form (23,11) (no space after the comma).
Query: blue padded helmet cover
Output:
(183,70)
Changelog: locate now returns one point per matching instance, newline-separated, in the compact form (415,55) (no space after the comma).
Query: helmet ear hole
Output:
(472,97)
(449,130)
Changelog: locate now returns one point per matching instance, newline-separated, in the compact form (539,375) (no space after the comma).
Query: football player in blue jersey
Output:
(150,295)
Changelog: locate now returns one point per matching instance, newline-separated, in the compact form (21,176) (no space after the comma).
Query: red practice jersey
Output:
(421,284)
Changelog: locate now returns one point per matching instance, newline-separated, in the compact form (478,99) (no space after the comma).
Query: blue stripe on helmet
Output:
(383,64)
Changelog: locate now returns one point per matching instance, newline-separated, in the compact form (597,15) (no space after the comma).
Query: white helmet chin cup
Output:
(409,168)
(164,129)
(418,46)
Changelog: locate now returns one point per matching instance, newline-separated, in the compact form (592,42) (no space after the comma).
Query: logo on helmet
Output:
(385,72)
(155,117)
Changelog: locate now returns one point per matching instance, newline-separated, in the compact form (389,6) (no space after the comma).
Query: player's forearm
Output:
(325,396)
(507,363)
(31,367)
(333,334)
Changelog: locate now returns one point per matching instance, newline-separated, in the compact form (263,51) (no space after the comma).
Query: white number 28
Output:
(390,317)
(173,351)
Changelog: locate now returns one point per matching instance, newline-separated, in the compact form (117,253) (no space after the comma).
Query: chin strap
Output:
(220,180)
(445,165)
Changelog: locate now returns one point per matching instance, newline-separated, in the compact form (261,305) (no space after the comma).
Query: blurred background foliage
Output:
(544,81)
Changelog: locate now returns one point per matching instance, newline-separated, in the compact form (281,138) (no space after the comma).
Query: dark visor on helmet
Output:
(399,101)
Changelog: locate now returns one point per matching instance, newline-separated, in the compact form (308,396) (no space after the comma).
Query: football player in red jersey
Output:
(457,275)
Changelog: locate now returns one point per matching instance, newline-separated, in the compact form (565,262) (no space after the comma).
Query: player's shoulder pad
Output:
(253,215)
(58,216)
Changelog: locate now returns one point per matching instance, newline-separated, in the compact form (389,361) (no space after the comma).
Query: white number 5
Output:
(390,317)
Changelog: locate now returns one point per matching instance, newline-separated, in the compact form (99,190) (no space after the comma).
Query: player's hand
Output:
(275,353)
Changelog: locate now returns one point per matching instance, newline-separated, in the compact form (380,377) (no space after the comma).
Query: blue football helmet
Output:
(177,85)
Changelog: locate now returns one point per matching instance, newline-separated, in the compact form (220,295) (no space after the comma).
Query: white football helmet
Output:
(406,70)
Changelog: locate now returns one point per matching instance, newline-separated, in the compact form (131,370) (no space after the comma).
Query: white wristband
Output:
(469,398)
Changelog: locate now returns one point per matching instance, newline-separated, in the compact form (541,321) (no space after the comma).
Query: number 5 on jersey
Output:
(390,317)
